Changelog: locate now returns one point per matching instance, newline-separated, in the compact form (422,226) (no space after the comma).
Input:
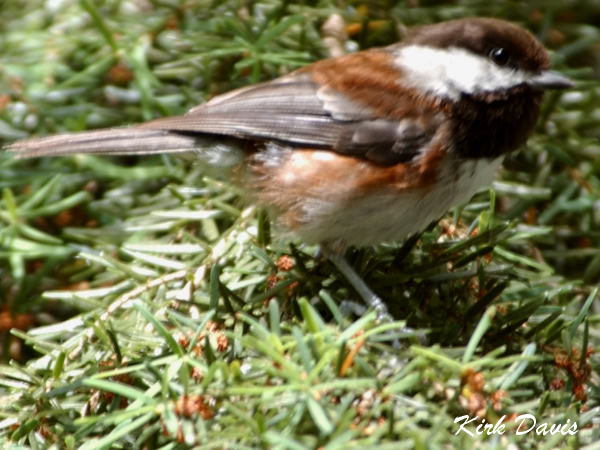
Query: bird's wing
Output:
(297,111)
(357,111)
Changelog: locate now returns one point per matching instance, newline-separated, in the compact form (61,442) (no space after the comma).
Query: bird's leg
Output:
(372,300)
(335,253)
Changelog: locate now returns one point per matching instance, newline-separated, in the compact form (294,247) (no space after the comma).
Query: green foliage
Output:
(153,308)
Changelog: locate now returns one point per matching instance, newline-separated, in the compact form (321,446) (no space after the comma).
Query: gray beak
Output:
(551,80)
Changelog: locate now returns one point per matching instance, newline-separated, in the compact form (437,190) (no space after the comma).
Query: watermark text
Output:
(527,423)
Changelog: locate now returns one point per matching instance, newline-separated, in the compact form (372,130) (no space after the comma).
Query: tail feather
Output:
(119,141)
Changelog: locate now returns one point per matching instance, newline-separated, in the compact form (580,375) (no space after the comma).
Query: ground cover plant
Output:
(144,305)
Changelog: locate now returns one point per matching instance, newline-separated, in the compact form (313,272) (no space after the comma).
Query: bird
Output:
(362,148)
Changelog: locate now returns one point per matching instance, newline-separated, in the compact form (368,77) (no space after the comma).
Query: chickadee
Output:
(362,148)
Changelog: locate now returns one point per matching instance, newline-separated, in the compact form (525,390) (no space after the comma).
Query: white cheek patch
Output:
(454,71)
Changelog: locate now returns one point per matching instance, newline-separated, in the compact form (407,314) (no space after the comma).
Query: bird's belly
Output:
(322,197)
(390,216)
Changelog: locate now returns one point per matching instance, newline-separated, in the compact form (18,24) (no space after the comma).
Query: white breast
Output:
(390,215)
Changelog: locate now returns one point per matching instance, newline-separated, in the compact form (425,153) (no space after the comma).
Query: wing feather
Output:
(293,110)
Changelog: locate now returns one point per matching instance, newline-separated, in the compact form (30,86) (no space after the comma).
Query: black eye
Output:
(499,56)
